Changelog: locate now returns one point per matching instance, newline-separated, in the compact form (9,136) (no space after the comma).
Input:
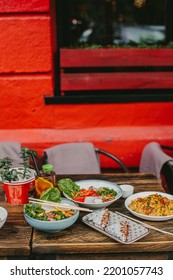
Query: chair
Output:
(156,160)
(77,158)
(113,157)
(167,172)
(12,150)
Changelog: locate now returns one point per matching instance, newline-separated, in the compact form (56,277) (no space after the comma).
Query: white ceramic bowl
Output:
(127,190)
(3,216)
(96,184)
(146,217)
(53,226)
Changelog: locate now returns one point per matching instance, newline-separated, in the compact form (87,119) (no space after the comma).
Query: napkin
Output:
(73,158)
(153,158)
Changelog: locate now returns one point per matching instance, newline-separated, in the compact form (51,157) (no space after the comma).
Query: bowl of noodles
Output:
(49,218)
(151,205)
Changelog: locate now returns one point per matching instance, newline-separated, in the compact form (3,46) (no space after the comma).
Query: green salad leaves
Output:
(105,191)
(68,186)
(35,211)
(51,194)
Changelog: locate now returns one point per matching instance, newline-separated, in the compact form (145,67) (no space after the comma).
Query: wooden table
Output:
(15,235)
(82,242)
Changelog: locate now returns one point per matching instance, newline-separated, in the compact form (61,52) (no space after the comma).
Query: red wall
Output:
(26,76)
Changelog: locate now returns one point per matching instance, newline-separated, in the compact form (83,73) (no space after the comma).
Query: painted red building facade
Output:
(26,76)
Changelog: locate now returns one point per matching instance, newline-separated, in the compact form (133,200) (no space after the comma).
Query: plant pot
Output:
(17,192)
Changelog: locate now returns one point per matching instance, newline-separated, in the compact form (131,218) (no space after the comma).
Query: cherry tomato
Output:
(96,194)
(79,198)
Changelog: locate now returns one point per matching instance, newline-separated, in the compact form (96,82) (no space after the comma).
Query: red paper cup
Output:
(17,192)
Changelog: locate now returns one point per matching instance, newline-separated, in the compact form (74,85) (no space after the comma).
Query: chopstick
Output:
(59,205)
(144,224)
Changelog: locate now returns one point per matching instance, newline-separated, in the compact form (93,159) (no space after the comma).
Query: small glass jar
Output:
(48,173)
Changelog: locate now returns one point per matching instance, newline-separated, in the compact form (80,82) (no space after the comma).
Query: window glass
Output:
(112,22)
(107,73)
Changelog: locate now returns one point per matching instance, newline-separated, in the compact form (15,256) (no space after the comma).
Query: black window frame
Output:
(114,96)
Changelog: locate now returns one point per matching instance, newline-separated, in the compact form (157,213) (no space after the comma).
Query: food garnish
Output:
(42,185)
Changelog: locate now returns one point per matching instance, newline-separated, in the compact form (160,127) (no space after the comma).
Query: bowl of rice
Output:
(151,205)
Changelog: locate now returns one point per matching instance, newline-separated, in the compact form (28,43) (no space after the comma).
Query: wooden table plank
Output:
(81,240)
(15,235)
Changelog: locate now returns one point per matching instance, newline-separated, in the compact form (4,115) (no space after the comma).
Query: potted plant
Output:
(18,181)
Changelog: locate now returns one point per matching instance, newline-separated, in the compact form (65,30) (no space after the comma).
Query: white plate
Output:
(146,217)
(136,231)
(96,184)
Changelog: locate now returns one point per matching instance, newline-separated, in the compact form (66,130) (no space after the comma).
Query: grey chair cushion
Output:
(73,158)
(153,159)
(12,150)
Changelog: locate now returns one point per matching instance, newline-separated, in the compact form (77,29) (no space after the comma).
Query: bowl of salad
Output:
(91,193)
(50,218)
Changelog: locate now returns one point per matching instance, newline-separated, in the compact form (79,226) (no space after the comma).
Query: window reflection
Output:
(112,22)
